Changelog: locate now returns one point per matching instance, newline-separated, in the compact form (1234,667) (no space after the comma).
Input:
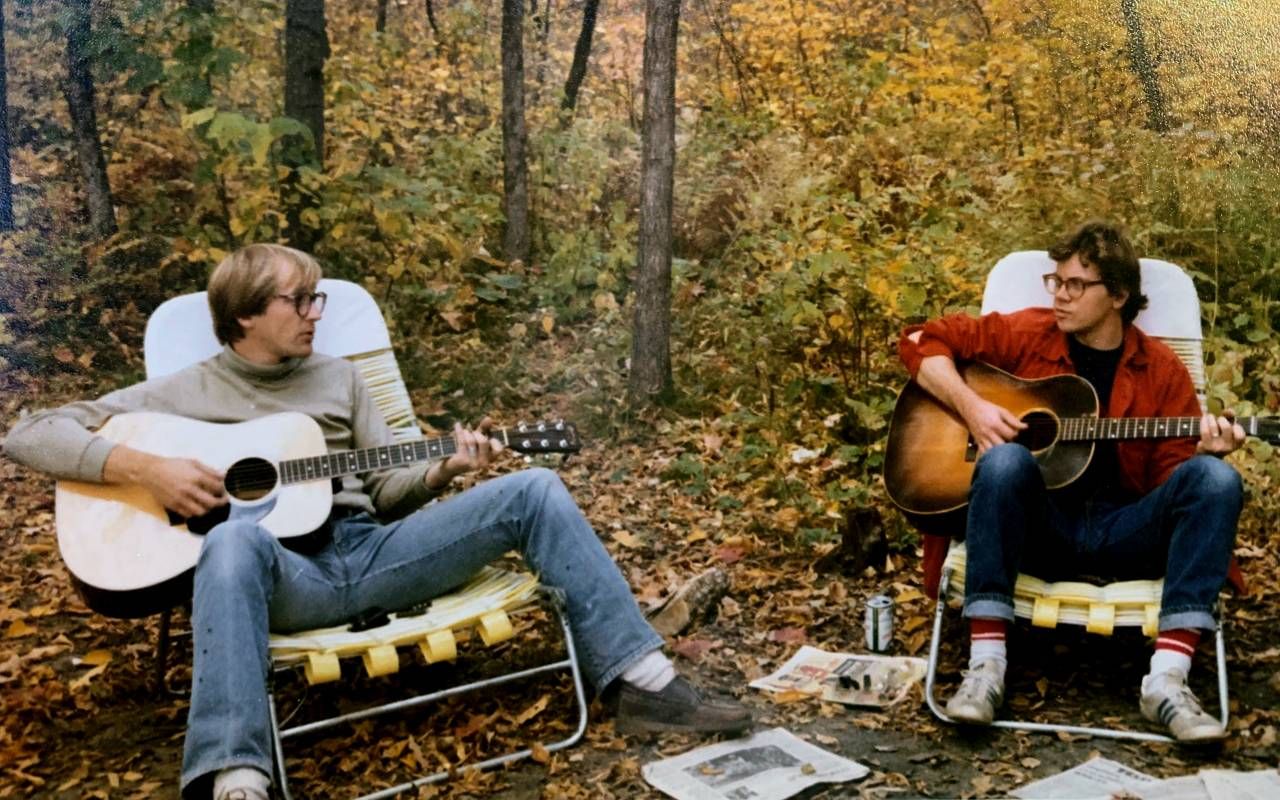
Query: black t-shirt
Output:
(1101,480)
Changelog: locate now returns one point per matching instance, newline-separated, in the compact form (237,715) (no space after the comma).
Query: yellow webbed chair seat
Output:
(1099,609)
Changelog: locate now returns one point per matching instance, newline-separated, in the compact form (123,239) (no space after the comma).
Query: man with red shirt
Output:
(1143,508)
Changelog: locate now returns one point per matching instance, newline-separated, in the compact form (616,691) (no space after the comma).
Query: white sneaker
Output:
(1167,700)
(980,694)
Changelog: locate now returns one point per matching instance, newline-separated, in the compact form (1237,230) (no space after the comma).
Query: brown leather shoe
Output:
(679,707)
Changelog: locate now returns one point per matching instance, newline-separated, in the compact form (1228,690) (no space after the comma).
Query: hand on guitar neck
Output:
(182,485)
(476,450)
(989,423)
(1220,435)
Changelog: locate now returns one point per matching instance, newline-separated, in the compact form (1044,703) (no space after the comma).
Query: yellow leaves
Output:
(96,658)
(548,323)
(18,628)
(627,539)
(536,708)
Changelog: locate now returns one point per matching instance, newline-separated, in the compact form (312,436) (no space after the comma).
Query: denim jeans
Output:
(1183,530)
(246,583)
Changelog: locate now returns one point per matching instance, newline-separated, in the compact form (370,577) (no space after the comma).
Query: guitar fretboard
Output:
(1079,429)
(354,462)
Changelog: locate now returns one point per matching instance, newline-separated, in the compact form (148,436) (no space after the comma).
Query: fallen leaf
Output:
(96,658)
(788,635)
(18,628)
(540,754)
(627,539)
(729,555)
(534,710)
(693,649)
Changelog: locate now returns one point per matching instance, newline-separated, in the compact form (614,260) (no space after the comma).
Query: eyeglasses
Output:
(1075,286)
(303,302)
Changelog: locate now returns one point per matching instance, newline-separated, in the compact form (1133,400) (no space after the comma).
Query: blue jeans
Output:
(247,583)
(1183,530)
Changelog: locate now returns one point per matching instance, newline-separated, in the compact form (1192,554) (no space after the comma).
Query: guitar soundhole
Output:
(251,479)
(1041,431)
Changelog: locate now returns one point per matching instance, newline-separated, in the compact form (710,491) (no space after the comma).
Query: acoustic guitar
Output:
(930,455)
(130,556)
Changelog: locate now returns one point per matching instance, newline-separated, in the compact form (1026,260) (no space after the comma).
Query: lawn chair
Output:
(1173,316)
(180,333)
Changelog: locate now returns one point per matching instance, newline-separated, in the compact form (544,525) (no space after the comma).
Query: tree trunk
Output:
(515,175)
(431,18)
(1144,69)
(650,381)
(582,52)
(79,91)
(199,47)
(380,23)
(6,186)
(306,46)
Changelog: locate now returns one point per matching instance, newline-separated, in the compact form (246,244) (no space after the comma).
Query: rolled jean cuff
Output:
(989,606)
(1187,618)
(647,646)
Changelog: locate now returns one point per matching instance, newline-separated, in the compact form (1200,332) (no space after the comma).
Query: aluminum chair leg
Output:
(570,662)
(1043,727)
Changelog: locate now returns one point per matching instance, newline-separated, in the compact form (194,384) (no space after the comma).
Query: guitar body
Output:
(128,555)
(930,455)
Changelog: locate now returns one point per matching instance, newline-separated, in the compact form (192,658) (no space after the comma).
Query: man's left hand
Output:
(475,451)
(1220,435)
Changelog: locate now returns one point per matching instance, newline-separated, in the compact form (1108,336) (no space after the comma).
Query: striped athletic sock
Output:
(1174,649)
(987,642)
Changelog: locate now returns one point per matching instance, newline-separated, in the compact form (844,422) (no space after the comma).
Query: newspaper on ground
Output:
(860,680)
(771,765)
(1223,784)
(1100,779)
(1096,779)
(1183,787)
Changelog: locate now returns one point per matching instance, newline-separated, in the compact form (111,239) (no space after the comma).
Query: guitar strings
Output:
(266,474)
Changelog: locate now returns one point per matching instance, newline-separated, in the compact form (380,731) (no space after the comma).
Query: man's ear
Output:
(246,323)
(1117,300)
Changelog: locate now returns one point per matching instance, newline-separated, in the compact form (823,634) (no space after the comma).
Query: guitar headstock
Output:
(1267,429)
(532,438)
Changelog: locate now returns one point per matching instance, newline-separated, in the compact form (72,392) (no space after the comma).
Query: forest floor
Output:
(82,718)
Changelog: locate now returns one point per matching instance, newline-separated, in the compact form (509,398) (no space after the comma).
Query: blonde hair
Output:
(245,282)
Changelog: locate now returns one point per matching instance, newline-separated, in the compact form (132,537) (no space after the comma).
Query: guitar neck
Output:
(1083,429)
(370,459)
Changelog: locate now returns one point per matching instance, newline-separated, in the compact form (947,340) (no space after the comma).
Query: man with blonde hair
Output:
(380,548)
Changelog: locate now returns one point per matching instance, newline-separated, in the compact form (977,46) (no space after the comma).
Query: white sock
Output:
(240,778)
(651,673)
(1163,660)
(989,650)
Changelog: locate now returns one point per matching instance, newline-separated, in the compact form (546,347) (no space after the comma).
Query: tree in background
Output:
(581,52)
(306,46)
(6,187)
(650,381)
(80,94)
(380,22)
(1144,68)
(515,174)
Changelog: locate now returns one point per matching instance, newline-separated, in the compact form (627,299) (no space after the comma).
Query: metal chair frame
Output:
(569,663)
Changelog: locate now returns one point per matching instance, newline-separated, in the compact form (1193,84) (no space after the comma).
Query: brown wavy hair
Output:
(1104,246)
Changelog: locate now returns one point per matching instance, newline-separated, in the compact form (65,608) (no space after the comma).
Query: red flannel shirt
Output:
(1150,379)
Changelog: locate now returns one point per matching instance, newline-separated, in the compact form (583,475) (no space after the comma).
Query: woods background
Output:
(841,168)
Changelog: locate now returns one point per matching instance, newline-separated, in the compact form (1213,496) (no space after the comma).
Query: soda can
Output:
(879,623)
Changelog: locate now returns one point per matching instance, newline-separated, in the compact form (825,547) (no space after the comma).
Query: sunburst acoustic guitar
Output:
(130,556)
(930,455)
